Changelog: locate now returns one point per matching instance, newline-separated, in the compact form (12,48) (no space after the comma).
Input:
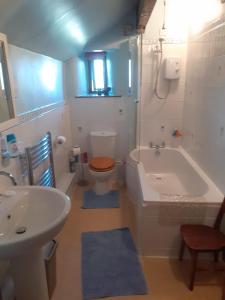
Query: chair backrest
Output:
(220,215)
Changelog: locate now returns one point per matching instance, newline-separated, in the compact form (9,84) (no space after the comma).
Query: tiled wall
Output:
(104,113)
(204,111)
(158,118)
(57,121)
(107,113)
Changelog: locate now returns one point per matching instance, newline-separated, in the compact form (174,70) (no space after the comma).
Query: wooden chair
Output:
(202,239)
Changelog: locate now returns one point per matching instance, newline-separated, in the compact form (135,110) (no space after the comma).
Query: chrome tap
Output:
(10,176)
(157,147)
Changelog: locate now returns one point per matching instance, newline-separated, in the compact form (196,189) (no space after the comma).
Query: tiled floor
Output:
(166,278)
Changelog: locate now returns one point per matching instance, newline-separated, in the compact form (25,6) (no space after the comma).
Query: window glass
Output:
(99,74)
(130,73)
(1,78)
(97,66)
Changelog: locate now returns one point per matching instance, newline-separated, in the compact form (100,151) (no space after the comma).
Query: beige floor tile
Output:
(166,278)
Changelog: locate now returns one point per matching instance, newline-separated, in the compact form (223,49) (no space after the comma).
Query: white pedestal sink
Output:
(29,218)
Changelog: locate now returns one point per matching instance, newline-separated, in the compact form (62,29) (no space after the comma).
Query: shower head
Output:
(162,35)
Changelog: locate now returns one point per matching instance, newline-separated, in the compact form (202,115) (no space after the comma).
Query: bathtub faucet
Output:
(157,147)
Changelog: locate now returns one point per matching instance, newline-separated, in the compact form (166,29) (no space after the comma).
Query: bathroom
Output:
(124,103)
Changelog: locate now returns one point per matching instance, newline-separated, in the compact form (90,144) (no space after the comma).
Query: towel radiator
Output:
(38,156)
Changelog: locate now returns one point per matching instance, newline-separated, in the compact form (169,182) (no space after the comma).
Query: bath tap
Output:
(157,147)
(10,176)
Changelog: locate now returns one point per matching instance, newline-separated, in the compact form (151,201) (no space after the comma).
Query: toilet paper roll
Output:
(60,140)
(76,151)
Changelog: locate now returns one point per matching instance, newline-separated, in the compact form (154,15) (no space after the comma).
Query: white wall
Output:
(76,76)
(57,121)
(204,110)
(119,59)
(91,114)
(102,113)
(38,79)
(33,95)
(155,113)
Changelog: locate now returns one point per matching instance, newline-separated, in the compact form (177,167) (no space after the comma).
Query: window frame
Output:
(90,57)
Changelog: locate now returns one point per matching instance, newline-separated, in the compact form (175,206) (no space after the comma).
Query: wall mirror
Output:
(6,95)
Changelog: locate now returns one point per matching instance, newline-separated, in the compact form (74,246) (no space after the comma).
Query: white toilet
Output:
(102,164)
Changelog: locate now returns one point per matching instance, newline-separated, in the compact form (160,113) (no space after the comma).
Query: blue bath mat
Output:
(110,200)
(110,265)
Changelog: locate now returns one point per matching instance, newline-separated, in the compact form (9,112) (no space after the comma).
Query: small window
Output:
(129,75)
(2,85)
(97,73)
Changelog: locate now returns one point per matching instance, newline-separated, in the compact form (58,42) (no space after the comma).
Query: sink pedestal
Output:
(30,217)
(29,275)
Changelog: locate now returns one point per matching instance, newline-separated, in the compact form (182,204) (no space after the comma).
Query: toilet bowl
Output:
(101,169)
(102,164)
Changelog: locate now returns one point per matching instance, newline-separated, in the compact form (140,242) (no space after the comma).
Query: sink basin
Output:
(30,216)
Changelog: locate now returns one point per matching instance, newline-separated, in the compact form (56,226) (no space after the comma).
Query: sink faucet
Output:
(10,176)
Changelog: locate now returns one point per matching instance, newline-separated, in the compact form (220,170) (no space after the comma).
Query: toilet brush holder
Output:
(82,181)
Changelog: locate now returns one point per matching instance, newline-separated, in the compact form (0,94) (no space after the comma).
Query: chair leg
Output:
(223,290)
(182,247)
(216,256)
(193,269)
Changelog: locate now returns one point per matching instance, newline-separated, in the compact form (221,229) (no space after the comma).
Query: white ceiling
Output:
(61,28)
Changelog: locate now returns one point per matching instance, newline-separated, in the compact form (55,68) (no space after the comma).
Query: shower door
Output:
(134,83)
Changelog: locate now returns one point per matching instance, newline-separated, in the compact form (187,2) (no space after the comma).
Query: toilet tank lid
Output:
(103,133)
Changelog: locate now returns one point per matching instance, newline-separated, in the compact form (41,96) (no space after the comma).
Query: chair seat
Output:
(202,237)
(102,164)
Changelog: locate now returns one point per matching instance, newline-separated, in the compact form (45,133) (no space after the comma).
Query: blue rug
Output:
(110,200)
(110,265)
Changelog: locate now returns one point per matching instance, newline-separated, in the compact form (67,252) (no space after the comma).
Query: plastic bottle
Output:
(72,164)
(12,145)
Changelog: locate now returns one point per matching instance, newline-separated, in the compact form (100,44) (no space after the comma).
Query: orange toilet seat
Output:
(102,164)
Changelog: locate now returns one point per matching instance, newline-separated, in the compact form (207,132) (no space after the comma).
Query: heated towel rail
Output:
(41,155)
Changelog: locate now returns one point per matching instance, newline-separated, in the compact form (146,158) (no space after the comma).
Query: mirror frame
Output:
(12,106)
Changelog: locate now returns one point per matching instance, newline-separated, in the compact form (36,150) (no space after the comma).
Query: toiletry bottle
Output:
(85,157)
(12,145)
(72,164)
(4,148)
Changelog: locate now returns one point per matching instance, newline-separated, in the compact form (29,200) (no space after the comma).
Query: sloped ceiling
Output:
(61,28)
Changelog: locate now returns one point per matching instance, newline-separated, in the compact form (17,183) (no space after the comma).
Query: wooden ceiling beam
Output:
(144,13)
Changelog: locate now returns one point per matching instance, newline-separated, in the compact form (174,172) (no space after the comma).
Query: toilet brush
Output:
(82,181)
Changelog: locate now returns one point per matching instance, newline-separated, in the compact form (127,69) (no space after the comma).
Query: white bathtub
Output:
(168,189)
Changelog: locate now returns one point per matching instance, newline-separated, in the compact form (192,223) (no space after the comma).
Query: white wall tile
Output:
(204,107)
(154,112)
(93,114)
(57,122)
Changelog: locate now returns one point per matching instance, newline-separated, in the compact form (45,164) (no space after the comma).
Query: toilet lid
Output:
(102,164)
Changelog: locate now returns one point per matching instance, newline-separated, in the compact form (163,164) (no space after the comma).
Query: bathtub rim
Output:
(212,196)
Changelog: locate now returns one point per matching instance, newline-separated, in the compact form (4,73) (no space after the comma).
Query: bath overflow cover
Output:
(21,230)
